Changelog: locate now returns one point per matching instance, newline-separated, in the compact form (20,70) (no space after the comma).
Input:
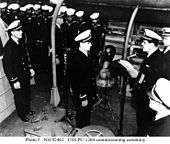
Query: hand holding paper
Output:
(129,67)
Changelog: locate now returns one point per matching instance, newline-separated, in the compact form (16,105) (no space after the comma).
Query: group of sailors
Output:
(27,51)
(36,20)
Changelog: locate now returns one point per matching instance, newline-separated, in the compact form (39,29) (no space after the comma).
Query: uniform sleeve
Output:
(79,79)
(9,63)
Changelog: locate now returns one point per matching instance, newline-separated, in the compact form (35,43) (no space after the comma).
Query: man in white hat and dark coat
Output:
(72,28)
(81,79)
(159,96)
(98,38)
(18,69)
(148,74)
(160,102)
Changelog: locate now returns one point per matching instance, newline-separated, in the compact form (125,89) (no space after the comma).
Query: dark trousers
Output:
(144,114)
(22,97)
(83,114)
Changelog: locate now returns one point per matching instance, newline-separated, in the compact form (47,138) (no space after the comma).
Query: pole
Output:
(123,80)
(55,98)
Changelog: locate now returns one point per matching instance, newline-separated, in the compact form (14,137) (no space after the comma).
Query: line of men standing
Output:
(36,23)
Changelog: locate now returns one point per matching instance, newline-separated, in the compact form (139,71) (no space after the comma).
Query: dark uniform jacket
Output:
(81,82)
(98,38)
(151,69)
(81,74)
(150,72)
(16,61)
(72,33)
(165,65)
(160,127)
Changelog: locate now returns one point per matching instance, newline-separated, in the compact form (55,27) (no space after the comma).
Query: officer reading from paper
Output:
(159,96)
(81,79)
(18,69)
(144,79)
(148,74)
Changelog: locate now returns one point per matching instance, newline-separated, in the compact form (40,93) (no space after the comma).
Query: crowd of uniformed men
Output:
(36,21)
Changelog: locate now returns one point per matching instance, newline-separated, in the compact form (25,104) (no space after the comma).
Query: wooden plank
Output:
(6,96)
(5,113)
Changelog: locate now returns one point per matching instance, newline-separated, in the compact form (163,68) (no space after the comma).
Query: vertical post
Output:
(129,30)
(123,81)
(55,98)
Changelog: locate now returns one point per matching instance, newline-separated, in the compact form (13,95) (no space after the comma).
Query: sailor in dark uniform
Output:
(18,70)
(166,53)
(98,37)
(81,79)
(160,102)
(159,96)
(13,12)
(81,21)
(72,28)
(29,29)
(3,10)
(147,76)
(98,34)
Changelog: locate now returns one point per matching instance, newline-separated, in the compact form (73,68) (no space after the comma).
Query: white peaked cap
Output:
(149,35)
(50,8)
(162,88)
(23,9)
(129,67)
(3,5)
(54,2)
(84,36)
(13,6)
(62,9)
(94,15)
(79,13)
(45,7)
(15,24)
(36,7)
(28,6)
(70,11)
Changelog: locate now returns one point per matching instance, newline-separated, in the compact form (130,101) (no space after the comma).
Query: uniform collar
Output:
(15,40)
(150,53)
(83,51)
(162,114)
(167,49)
(59,26)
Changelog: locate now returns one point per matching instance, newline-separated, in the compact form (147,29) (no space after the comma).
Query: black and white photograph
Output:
(85,70)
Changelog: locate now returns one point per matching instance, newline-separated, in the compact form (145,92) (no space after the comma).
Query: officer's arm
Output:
(9,63)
